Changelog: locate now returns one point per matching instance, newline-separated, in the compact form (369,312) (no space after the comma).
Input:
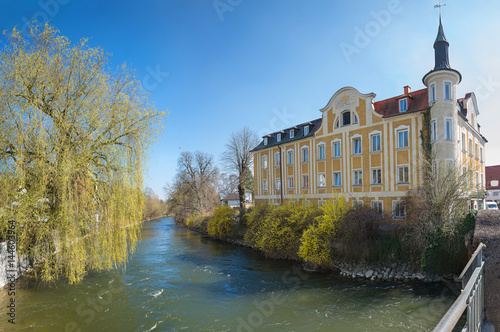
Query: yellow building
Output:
(371,151)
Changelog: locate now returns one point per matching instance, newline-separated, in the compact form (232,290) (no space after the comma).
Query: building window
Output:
(375,140)
(278,137)
(337,123)
(278,184)
(292,133)
(357,204)
(305,181)
(477,179)
(398,210)
(264,162)
(434,130)
(356,145)
(306,130)
(264,185)
(355,118)
(265,140)
(403,105)
(435,165)
(290,157)
(305,155)
(277,159)
(336,149)
(376,176)
(470,147)
(346,118)
(321,152)
(447,91)
(358,178)
(448,128)
(432,92)
(464,144)
(403,138)
(481,154)
(403,174)
(321,180)
(337,179)
(476,151)
(378,207)
(482,180)
(290,182)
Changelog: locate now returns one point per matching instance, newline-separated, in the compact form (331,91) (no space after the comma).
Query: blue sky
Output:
(217,66)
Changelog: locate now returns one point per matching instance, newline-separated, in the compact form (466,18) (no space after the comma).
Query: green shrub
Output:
(317,241)
(222,223)
(255,221)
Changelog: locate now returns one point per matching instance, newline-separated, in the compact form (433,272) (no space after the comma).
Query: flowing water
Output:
(178,280)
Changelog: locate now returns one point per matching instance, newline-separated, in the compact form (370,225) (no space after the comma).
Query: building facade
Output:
(371,151)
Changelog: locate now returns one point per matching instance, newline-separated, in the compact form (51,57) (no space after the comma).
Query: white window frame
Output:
(304,177)
(434,132)
(380,209)
(470,145)
(375,134)
(403,105)
(336,142)
(476,150)
(432,92)
(278,137)
(337,175)
(445,83)
(403,167)
(464,142)
(481,153)
(402,129)
(448,130)
(277,184)
(290,182)
(265,141)
(397,214)
(373,170)
(277,159)
(288,159)
(264,185)
(319,146)
(355,138)
(264,162)
(302,154)
(357,177)
(292,133)
(321,184)
(306,130)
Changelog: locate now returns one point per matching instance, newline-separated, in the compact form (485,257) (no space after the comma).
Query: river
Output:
(178,280)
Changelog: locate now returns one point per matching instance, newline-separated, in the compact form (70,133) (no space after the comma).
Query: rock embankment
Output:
(393,272)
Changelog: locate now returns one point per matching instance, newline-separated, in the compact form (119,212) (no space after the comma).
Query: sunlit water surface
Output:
(178,280)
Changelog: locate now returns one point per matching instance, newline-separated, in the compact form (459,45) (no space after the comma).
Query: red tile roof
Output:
(417,101)
(492,173)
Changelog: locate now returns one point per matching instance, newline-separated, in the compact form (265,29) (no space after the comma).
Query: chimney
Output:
(407,89)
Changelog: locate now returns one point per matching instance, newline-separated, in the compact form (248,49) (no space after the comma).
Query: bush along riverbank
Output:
(338,236)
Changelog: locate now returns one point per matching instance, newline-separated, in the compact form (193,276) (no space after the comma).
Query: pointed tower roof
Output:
(440,36)
(441,56)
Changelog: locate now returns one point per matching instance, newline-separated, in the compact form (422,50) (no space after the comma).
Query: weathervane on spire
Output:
(439,5)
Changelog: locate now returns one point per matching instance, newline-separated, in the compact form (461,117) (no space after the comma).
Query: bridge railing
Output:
(471,297)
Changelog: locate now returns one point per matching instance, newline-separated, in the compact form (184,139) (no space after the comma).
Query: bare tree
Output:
(194,190)
(228,184)
(239,160)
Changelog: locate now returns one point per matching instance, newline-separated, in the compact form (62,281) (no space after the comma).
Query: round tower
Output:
(441,83)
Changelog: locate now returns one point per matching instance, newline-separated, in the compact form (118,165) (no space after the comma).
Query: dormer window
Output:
(278,137)
(403,105)
(292,133)
(265,140)
(306,130)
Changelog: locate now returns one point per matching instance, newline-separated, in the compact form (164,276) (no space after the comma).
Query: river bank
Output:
(393,272)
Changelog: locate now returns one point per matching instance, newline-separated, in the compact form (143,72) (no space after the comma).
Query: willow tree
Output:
(73,143)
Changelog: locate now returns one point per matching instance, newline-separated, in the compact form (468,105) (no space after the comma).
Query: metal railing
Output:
(471,297)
